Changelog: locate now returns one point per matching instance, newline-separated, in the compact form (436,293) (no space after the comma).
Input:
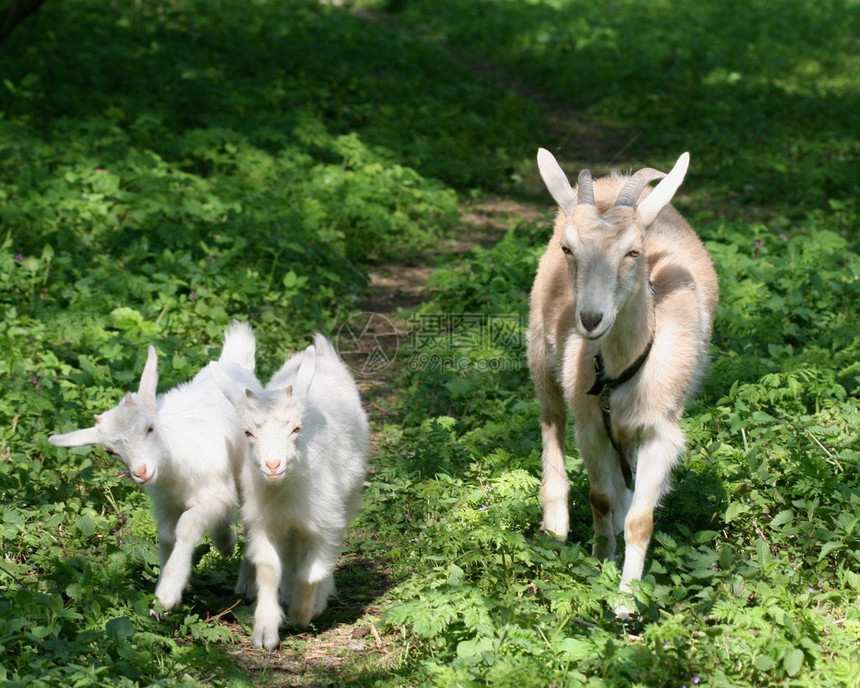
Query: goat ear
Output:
(556,182)
(302,385)
(76,438)
(663,192)
(149,380)
(234,393)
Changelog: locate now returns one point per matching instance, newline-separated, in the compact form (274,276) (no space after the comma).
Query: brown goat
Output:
(621,314)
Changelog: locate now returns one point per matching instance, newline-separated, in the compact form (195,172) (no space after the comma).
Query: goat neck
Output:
(631,333)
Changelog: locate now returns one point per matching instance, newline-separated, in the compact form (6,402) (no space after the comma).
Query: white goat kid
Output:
(302,483)
(621,314)
(185,448)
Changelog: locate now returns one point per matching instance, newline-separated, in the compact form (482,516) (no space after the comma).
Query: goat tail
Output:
(240,346)
(324,347)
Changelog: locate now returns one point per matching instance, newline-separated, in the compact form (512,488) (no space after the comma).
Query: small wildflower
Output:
(483,507)
(19,258)
(696,680)
(759,243)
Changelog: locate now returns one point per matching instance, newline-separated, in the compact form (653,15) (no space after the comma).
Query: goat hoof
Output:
(168,600)
(556,522)
(299,619)
(246,590)
(158,612)
(226,549)
(623,612)
(265,638)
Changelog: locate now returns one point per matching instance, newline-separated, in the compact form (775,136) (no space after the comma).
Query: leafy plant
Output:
(169,166)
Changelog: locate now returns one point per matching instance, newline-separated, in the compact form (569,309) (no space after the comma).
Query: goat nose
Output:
(140,473)
(273,466)
(590,319)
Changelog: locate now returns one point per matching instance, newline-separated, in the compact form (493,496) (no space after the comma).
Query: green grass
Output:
(762,95)
(168,166)
(752,579)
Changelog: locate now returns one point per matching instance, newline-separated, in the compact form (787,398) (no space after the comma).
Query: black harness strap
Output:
(601,381)
(603,388)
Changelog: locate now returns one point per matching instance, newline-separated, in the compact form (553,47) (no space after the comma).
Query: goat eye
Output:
(566,251)
(150,430)
(249,434)
(634,253)
(295,430)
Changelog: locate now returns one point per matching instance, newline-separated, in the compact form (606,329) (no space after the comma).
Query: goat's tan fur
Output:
(641,278)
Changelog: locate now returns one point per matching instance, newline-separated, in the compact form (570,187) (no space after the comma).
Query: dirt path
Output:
(373,342)
(347,637)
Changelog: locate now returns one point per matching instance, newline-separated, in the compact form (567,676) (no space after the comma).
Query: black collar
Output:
(601,382)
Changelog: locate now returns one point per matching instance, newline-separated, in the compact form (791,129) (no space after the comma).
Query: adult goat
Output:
(621,315)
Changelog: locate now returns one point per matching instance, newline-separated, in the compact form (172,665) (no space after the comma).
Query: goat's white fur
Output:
(307,434)
(185,448)
(612,276)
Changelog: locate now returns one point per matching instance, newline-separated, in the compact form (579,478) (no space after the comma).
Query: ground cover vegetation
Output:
(168,166)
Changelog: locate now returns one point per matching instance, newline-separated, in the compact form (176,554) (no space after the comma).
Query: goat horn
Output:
(631,191)
(585,188)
